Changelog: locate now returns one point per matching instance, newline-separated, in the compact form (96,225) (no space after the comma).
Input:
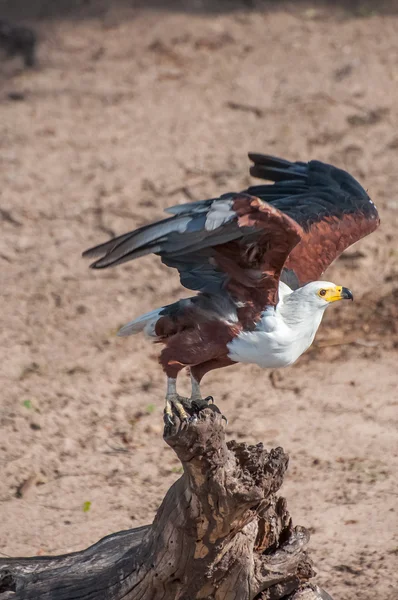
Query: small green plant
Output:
(177,469)
(86,506)
(27,404)
(150,408)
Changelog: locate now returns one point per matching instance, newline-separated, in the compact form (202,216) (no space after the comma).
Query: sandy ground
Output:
(132,109)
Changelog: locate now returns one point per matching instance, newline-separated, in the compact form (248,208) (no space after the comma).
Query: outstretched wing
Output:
(236,242)
(332,208)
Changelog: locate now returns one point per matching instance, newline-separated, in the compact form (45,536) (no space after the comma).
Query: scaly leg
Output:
(174,399)
(196,395)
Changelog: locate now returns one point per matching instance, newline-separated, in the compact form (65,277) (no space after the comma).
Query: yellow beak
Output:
(338,293)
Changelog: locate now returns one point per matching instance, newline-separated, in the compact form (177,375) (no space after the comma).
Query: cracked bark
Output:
(221,533)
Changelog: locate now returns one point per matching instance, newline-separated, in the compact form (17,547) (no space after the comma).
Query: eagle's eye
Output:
(322,292)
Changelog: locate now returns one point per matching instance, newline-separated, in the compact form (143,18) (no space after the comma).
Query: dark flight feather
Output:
(333,209)
(242,243)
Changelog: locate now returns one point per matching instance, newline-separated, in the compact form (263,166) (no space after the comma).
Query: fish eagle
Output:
(255,258)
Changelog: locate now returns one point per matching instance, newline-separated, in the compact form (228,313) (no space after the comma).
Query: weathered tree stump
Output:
(221,532)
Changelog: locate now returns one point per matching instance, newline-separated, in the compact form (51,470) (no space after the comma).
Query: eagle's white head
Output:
(319,294)
(302,310)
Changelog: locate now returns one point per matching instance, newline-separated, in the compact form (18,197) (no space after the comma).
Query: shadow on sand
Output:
(32,10)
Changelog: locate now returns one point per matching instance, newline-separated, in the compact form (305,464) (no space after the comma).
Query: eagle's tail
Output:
(145,323)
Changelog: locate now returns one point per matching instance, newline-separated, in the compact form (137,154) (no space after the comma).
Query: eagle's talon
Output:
(176,405)
(168,419)
(180,410)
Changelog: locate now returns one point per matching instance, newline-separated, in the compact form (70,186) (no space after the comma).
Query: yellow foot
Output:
(175,402)
(187,409)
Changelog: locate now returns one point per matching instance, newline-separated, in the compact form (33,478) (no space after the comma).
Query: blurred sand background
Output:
(135,106)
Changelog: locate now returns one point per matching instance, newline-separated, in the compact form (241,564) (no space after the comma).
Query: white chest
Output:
(273,344)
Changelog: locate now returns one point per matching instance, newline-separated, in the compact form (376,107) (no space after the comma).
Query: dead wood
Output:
(221,532)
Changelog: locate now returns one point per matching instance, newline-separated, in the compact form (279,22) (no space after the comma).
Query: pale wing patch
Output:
(219,213)
(144,323)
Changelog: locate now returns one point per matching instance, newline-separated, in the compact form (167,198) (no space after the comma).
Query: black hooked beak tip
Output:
(346,294)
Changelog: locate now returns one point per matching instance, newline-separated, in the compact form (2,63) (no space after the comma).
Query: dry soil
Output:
(131,108)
